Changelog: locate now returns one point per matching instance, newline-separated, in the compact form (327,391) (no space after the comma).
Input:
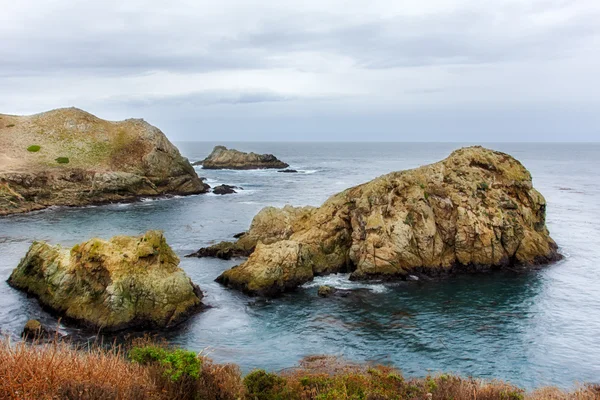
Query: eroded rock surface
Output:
(68,157)
(475,210)
(125,282)
(224,158)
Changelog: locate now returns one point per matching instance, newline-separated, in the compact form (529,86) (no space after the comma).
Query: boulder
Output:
(224,189)
(326,291)
(224,158)
(125,282)
(68,157)
(476,210)
(35,331)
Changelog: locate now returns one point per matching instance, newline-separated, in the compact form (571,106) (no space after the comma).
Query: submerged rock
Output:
(476,210)
(68,157)
(224,158)
(224,189)
(126,282)
(288,171)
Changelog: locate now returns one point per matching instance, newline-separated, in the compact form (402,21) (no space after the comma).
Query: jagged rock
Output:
(288,171)
(126,282)
(223,158)
(269,225)
(476,210)
(224,189)
(107,162)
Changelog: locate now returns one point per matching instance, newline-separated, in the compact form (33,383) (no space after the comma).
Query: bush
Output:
(483,186)
(10,125)
(62,160)
(262,385)
(34,148)
(176,364)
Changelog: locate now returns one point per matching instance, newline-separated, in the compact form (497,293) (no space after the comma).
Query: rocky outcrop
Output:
(288,171)
(68,157)
(225,189)
(270,225)
(126,282)
(475,210)
(224,158)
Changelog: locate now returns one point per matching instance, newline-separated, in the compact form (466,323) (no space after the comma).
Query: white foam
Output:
(342,281)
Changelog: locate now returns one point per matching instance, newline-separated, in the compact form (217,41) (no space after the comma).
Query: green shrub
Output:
(483,186)
(261,385)
(10,125)
(176,363)
(34,148)
(62,160)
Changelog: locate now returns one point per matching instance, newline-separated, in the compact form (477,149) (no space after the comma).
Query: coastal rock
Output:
(270,225)
(224,189)
(288,171)
(224,158)
(125,282)
(325,291)
(476,210)
(35,331)
(68,157)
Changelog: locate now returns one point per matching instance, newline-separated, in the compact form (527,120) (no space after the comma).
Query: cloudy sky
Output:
(411,70)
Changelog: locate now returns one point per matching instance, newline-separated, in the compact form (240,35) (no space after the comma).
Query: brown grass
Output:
(61,371)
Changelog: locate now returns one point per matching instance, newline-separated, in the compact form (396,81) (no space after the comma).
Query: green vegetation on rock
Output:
(34,148)
(62,160)
(176,363)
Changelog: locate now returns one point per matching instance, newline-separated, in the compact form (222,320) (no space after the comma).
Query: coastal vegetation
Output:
(148,369)
(34,148)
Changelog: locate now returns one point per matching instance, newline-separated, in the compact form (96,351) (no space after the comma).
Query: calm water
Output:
(536,329)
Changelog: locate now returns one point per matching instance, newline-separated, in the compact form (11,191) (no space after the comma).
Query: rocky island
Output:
(125,282)
(68,157)
(224,158)
(476,210)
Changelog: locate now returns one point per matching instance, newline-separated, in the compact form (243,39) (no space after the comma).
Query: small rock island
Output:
(125,282)
(68,157)
(224,158)
(476,210)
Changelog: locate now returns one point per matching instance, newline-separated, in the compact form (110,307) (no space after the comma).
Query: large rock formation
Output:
(126,282)
(68,157)
(224,158)
(475,210)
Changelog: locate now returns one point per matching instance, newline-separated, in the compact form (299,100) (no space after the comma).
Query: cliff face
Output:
(69,157)
(475,210)
(223,158)
(126,282)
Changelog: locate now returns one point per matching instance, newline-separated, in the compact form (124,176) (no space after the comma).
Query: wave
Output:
(342,281)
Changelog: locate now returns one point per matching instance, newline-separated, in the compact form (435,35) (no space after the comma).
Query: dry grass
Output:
(60,371)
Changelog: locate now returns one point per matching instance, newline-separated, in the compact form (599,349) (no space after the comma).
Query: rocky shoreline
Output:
(68,157)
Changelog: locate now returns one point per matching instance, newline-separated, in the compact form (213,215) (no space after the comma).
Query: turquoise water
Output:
(535,329)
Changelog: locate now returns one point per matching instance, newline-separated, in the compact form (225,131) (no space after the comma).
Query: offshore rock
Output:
(224,189)
(476,210)
(68,157)
(125,282)
(223,158)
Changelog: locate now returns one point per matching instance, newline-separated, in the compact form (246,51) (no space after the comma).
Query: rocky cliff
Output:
(224,158)
(69,157)
(126,282)
(475,210)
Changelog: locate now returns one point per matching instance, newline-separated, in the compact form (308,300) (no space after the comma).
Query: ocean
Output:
(534,329)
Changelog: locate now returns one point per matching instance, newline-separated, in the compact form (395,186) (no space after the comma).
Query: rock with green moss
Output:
(87,160)
(124,282)
(476,210)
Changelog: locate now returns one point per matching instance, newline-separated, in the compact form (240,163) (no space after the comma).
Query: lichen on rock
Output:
(475,210)
(125,282)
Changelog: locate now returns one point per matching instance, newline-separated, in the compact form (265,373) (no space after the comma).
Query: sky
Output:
(261,70)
